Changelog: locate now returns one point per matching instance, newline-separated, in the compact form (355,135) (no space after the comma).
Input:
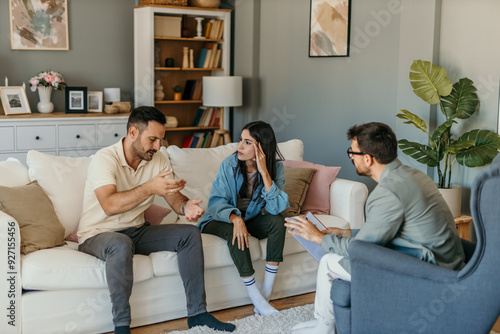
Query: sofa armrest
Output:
(10,264)
(347,201)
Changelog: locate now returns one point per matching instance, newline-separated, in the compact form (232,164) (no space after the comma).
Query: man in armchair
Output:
(404,212)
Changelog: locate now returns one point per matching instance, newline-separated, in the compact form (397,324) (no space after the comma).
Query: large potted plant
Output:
(457,101)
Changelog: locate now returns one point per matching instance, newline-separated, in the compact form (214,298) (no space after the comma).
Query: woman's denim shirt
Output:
(224,194)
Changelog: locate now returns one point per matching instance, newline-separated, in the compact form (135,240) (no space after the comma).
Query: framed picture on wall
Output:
(94,101)
(329,29)
(39,24)
(14,100)
(76,99)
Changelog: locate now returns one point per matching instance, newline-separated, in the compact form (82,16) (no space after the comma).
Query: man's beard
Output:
(359,171)
(139,151)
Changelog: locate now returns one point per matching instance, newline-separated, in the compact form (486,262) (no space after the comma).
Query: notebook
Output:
(313,248)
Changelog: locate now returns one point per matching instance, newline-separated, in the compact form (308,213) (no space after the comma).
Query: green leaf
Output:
(429,81)
(456,148)
(463,100)
(413,119)
(422,153)
(443,128)
(482,152)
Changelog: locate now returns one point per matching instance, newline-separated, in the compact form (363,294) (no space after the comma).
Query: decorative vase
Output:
(177,96)
(185,57)
(453,197)
(159,95)
(45,106)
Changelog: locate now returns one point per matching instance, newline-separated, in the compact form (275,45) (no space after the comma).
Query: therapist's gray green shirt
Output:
(406,212)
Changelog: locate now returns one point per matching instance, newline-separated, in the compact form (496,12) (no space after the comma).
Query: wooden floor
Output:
(225,315)
(239,313)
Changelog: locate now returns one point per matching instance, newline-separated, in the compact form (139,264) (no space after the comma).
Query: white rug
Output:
(263,324)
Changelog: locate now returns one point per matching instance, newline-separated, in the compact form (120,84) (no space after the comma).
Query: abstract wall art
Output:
(39,24)
(329,29)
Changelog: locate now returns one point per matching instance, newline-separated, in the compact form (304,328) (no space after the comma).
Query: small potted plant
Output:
(177,92)
(457,101)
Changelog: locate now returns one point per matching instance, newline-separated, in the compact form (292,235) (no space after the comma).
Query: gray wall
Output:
(100,50)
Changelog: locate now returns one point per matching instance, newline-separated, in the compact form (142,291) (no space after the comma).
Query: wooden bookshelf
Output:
(151,50)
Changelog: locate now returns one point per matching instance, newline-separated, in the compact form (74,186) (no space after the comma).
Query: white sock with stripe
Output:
(267,285)
(261,305)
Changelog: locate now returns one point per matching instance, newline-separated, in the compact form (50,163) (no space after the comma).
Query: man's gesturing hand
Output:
(193,210)
(163,186)
(304,228)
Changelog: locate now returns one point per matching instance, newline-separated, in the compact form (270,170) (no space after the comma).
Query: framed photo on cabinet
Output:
(94,101)
(14,100)
(76,99)
(329,29)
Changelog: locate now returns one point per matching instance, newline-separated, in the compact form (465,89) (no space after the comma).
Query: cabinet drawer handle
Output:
(116,134)
(77,136)
(37,137)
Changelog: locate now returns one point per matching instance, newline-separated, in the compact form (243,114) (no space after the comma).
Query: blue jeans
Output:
(118,248)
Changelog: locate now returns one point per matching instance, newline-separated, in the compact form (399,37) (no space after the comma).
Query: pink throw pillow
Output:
(153,215)
(318,195)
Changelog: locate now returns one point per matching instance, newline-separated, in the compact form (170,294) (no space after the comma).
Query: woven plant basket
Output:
(164,2)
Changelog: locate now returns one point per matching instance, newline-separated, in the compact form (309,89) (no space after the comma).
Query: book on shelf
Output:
(217,60)
(193,142)
(208,140)
(207,58)
(208,29)
(217,116)
(215,29)
(188,90)
(197,118)
(201,59)
(197,90)
(221,30)
(187,142)
(199,136)
(203,117)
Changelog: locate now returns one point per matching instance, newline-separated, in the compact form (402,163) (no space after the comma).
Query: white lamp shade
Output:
(222,91)
(111,95)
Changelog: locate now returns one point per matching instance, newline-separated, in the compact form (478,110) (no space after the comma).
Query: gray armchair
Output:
(391,292)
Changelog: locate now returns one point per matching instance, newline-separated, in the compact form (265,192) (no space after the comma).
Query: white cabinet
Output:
(59,134)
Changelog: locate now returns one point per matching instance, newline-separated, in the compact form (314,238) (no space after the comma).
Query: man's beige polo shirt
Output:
(109,166)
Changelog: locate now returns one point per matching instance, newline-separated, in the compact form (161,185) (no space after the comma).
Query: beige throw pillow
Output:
(31,207)
(297,182)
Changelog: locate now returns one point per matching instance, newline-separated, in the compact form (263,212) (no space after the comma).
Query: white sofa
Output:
(65,291)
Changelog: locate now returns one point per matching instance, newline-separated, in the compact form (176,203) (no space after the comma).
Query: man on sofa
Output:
(121,184)
(405,212)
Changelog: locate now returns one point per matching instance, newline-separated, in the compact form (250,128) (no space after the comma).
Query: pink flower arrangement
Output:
(48,79)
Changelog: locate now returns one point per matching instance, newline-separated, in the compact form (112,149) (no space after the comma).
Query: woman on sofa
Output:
(248,181)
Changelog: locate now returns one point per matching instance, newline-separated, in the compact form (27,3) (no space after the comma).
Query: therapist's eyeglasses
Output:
(351,153)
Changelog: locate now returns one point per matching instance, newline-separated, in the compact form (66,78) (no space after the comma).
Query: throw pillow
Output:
(63,180)
(318,196)
(31,207)
(297,182)
(155,214)
(13,173)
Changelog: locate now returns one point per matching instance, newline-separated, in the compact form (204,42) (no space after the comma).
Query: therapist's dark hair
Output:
(376,139)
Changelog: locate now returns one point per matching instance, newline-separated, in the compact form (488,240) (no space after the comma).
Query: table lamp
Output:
(222,91)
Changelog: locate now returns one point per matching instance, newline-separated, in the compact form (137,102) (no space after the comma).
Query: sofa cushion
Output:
(38,223)
(13,173)
(318,196)
(215,252)
(64,268)
(296,184)
(63,180)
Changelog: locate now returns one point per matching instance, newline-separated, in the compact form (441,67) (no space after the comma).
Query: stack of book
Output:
(207,116)
(210,56)
(214,29)
(198,140)
(192,90)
